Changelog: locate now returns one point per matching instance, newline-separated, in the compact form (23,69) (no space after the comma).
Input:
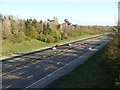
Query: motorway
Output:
(25,76)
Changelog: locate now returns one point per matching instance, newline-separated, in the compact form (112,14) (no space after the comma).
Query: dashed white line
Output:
(9,65)
(19,68)
(30,76)
(46,68)
(58,63)
(50,61)
(20,73)
(25,66)
(40,61)
(50,74)
(37,66)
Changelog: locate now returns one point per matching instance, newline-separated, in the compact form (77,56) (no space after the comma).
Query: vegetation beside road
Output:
(100,71)
(112,57)
(92,74)
(12,48)
(20,35)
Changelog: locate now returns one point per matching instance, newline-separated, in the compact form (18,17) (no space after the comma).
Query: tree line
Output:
(17,30)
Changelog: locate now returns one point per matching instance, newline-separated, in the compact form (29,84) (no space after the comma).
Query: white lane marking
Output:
(48,75)
(30,76)
(20,73)
(46,68)
(9,65)
(50,61)
(51,57)
(58,63)
(38,66)
(25,66)
(20,68)
(52,73)
(8,86)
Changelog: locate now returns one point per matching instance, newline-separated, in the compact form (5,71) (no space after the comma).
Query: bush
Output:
(112,57)
(64,36)
(46,38)
(55,33)
(50,39)
(42,37)
(27,38)
(17,38)
(33,33)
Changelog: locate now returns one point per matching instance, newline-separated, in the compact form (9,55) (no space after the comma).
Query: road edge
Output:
(42,83)
(35,50)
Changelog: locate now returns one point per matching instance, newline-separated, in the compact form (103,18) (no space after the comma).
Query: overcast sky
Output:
(82,12)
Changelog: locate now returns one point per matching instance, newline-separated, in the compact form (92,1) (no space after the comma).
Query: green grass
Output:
(9,48)
(91,74)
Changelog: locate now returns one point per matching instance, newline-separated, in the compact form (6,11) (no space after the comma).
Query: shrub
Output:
(42,37)
(55,33)
(27,38)
(64,36)
(33,33)
(50,39)
(112,57)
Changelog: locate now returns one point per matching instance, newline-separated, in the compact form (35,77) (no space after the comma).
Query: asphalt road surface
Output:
(24,77)
(20,61)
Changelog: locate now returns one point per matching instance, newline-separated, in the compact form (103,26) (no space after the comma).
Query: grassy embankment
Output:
(91,74)
(9,48)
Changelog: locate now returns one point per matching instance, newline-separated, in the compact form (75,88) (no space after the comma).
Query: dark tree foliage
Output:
(18,30)
(67,22)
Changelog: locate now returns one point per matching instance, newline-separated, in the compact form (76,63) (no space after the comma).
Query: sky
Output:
(81,12)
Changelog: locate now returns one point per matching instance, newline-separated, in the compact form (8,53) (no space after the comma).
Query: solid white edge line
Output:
(51,73)
(8,86)
(53,56)
(56,71)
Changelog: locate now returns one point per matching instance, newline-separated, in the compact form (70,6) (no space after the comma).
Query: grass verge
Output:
(10,48)
(91,74)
